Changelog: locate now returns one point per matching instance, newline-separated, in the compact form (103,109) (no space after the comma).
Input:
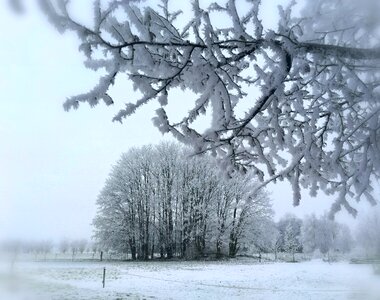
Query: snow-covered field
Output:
(236,279)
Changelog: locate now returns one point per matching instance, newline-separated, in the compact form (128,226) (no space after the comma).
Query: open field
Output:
(235,279)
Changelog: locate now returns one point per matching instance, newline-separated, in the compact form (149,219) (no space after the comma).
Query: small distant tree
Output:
(325,235)
(291,239)
(367,235)
(344,240)
(309,233)
(46,247)
(74,246)
(326,239)
(93,247)
(82,244)
(64,246)
(265,236)
(282,225)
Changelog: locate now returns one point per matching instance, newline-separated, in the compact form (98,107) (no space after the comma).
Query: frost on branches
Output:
(158,201)
(312,85)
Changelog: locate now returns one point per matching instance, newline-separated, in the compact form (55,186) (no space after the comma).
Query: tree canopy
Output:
(158,202)
(297,103)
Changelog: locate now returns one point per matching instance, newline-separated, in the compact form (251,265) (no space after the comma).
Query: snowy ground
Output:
(238,279)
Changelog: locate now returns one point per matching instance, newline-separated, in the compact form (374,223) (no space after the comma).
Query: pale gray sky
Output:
(53,163)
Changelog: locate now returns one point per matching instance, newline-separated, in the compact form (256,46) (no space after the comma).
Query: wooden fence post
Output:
(104,277)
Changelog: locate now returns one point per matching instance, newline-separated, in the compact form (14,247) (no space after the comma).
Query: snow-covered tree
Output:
(74,247)
(158,200)
(328,230)
(368,233)
(82,244)
(299,102)
(284,222)
(265,236)
(344,240)
(248,211)
(325,235)
(291,239)
(64,245)
(309,233)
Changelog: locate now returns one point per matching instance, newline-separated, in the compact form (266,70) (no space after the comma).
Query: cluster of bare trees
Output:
(158,201)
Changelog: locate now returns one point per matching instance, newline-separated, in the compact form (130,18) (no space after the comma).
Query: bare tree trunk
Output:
(233,246)
(218,248)
(275,254)
(233,240)
(132,245)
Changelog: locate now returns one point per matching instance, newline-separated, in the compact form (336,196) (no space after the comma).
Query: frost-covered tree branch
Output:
(313,85)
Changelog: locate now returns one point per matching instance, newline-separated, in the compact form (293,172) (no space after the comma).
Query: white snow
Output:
(236,279)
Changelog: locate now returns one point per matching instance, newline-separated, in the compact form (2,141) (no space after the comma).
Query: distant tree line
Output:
(293,235)
(42,248)
(36,248)
(288,237)
(74,247)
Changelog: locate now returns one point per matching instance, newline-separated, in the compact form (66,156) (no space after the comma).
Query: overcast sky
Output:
(53,163)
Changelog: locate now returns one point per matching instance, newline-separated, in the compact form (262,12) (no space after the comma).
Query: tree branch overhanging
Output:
(313,103)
